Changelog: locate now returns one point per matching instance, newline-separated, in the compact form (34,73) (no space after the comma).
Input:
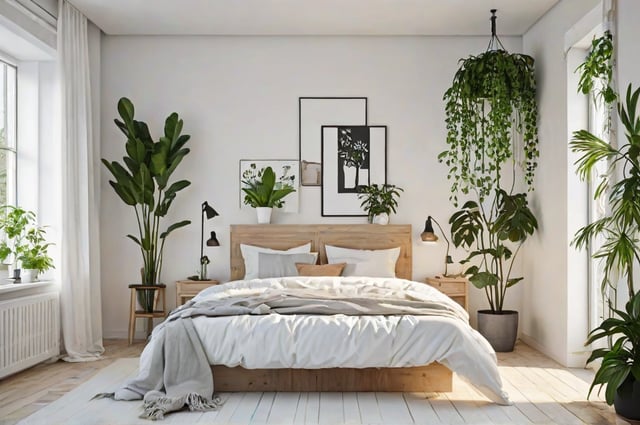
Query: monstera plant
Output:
(143,181)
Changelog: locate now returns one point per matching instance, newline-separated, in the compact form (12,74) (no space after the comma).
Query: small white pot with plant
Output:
(24,243)
(263,192)
(379,201)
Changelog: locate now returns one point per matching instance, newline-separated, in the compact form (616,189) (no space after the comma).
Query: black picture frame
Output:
(339,194)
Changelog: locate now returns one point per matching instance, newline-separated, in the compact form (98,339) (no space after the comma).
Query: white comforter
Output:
(322,341)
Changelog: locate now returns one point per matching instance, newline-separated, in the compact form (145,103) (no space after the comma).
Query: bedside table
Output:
(187,289)
(457,288)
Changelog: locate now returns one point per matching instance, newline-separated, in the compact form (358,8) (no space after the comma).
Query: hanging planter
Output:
(492,97)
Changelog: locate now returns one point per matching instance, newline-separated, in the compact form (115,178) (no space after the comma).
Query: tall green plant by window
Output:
(143,182)
(490,104)
(620,229)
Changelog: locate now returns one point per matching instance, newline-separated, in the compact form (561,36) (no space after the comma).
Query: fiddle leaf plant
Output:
(142,181)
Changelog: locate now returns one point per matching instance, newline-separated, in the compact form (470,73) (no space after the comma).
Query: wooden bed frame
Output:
(432,378)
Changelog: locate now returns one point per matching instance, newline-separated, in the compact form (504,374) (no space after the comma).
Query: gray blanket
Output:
(175,373)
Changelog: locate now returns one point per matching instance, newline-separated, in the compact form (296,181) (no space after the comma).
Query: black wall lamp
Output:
(428,236)
(212,241)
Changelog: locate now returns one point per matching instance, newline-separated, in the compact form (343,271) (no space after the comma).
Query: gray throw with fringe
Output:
(177,374)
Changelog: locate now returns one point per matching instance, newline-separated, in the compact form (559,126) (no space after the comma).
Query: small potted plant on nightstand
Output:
(379,201)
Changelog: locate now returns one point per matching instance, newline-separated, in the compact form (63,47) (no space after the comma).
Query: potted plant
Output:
(619,252)
(25,243)
(263,192)
(620,368)
(34,257)
(143,183)
(379,201)
(492,97)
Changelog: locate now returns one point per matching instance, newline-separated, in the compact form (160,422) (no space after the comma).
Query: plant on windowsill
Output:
(263,192)
(25,243)
(379,201)
(143,182)
(492,98)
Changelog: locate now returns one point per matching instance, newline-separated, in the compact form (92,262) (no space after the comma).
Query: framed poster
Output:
(287,171)
(352,157)
(314,112)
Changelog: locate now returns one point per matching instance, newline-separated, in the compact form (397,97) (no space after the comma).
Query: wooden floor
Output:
(542,392)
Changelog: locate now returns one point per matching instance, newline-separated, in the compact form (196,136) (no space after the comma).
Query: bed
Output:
(434,377)
(403,336)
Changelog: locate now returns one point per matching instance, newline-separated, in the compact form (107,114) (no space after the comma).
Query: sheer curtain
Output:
(80,250)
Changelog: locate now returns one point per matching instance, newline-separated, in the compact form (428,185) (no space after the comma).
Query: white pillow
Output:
(281,265)
(363,262)
(250,255)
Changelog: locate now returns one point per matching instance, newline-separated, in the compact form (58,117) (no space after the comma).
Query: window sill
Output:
(17,290)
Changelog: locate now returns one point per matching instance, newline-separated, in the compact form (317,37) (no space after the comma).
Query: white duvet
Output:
(323,341)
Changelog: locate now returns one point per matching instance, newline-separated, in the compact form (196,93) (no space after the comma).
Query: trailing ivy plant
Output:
(491,101)
(596,73)
(493,96)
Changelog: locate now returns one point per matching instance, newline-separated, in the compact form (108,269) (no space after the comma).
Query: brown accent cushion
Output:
(320,270)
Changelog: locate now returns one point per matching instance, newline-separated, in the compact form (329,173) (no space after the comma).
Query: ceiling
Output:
(312,17)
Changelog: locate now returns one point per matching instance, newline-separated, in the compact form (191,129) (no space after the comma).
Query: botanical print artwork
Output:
(353,158)
(287,172)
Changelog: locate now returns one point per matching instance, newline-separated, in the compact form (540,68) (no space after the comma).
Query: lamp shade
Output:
(208,210)
(428,235)
(213,240)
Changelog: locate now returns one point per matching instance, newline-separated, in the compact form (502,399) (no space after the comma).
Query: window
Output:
(8,133)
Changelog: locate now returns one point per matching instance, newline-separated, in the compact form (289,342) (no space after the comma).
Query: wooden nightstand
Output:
(457,288)
(187,289)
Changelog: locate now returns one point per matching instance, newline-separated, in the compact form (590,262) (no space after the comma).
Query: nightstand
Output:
(457,288)
(187,289)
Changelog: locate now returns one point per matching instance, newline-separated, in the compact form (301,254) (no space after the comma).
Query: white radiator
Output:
(29,331)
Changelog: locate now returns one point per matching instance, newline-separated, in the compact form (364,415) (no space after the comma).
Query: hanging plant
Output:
(493,96)
(596,72)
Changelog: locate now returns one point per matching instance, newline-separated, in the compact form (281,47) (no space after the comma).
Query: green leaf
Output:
(483,279)
(174,227)
(513,281)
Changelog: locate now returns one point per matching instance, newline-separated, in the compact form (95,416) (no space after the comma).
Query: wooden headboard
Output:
(358,236)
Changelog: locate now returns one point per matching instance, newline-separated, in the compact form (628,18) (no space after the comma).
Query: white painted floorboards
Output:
(542,392)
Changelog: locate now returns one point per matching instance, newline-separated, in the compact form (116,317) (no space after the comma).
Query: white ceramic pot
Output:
(264,215)
(28,275)
(380,219)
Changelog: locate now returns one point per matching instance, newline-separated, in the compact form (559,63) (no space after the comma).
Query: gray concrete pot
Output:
(501,330)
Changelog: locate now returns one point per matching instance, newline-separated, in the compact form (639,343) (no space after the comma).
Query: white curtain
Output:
(80,249)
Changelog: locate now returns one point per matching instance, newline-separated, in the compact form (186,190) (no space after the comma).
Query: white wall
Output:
(554,304)
(238,97)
